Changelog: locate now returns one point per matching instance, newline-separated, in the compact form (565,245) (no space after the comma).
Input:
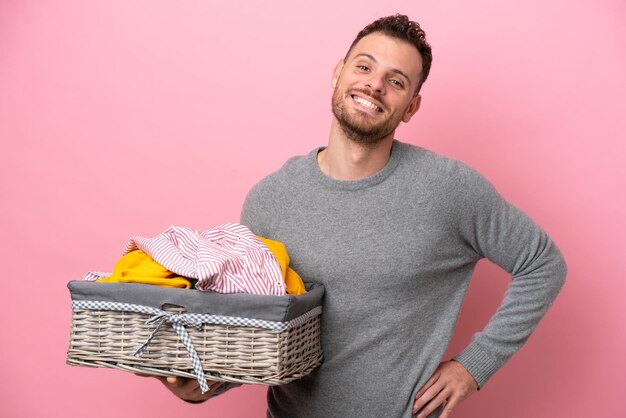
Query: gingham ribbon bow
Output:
(178,322)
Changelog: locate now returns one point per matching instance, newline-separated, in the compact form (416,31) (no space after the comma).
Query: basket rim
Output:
(262,307)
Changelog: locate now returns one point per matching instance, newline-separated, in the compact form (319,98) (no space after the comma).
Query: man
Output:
(394,231)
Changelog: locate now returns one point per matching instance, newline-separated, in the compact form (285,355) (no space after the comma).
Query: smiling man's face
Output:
(375,86)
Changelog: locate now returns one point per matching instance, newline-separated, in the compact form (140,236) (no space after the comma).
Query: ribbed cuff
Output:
(478,363)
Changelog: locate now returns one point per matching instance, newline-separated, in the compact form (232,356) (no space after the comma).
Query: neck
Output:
(346,159)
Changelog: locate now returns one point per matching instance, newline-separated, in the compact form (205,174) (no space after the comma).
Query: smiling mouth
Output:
(366,103)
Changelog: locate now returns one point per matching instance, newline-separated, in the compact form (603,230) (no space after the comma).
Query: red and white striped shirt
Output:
(227,259)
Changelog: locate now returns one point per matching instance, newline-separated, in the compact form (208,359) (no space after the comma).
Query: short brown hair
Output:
(400,27)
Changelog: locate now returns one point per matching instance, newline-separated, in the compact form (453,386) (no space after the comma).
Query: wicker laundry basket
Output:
(242,338)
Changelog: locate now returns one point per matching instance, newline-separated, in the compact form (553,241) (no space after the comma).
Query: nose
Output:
(376,82)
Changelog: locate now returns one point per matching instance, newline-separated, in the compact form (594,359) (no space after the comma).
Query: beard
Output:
(359,127)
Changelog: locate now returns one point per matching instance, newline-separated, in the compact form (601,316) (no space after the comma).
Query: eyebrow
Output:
(393,70)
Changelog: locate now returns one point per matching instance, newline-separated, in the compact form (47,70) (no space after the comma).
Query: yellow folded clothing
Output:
(139,267)
(295,285)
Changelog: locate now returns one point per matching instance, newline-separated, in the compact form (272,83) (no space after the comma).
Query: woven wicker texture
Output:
(228,353)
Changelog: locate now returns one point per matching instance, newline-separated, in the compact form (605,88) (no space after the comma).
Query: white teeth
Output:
(365,103)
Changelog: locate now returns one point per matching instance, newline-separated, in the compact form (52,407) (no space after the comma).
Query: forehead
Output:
(389,52)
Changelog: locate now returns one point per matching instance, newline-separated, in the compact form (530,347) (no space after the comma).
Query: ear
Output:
(336,73)
(413,107)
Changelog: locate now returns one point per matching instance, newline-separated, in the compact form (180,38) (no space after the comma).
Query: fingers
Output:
(195,390)
(449,406)
(434,403)
(434,396)
(185,388)
(427,392)
(450,384)
(181,387)
(213,387)
(174,381)
(428,384)
(189,389)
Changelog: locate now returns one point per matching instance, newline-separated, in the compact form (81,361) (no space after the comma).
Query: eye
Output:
(363,67)
(396,83)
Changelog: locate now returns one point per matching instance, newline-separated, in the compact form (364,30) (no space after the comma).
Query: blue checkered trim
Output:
(199,318)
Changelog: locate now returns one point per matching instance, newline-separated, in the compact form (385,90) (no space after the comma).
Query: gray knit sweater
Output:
(396,251)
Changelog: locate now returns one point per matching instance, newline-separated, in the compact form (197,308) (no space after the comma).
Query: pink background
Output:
(124,117)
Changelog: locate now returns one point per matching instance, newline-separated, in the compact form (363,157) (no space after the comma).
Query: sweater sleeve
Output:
(257,210)
(502,233)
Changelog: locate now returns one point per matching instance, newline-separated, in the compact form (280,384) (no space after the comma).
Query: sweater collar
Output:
(360,184)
